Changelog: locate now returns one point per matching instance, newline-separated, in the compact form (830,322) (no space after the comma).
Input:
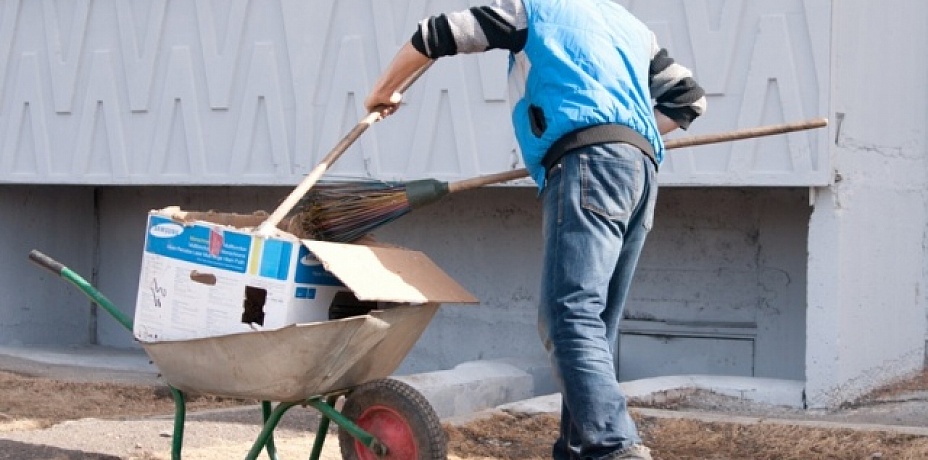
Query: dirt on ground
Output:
(34,403)
(529,437)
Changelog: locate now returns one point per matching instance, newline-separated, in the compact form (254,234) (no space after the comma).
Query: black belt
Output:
(598,134)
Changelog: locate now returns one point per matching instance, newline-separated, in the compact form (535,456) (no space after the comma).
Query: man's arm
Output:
(478,29)
(384,96)
(499,26)
(678,98)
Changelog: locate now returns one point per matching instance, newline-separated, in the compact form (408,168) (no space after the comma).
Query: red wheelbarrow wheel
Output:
(399,417)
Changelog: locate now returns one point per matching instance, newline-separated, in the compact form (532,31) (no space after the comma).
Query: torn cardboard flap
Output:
(388,274)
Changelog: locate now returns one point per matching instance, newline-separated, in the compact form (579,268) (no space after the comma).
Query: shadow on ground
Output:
(14,450)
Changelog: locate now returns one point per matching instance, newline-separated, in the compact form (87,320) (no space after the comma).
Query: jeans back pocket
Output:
(611,186)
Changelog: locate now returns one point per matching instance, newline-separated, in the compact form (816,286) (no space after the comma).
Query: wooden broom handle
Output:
(497,178)
(269,226)
(748,133)
(740,134)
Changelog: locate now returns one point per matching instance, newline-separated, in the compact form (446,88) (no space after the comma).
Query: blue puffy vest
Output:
(585,63)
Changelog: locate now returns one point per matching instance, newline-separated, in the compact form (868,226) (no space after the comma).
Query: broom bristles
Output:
(345,211)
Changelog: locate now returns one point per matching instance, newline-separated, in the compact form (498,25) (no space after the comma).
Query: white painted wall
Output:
(867,255)
(250,92)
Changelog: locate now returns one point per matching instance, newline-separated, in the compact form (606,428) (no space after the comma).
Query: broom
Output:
(347,210)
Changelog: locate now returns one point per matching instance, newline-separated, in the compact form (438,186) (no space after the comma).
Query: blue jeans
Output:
(598,206)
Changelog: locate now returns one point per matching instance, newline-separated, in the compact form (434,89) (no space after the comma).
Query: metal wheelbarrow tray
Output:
(294,362)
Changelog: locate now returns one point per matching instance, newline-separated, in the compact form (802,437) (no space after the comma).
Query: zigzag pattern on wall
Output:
(256,92)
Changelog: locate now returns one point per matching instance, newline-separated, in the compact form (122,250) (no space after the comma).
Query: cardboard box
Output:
(207,274)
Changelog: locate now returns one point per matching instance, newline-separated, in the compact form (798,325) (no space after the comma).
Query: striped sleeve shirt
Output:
(503,25)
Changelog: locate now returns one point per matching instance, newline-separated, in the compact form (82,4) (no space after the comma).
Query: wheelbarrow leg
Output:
(322,431)
(272,420)
(266,414)
(180,415)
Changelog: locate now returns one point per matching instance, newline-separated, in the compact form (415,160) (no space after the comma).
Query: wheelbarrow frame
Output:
(324,402)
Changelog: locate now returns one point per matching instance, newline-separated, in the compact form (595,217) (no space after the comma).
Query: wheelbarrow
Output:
(311,364)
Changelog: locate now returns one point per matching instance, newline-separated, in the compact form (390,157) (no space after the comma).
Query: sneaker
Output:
(636,451)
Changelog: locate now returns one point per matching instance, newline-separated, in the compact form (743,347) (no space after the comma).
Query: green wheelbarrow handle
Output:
(59,269)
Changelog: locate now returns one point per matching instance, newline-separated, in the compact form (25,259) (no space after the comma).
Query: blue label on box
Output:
(275,259)
(203,245)
(307,293)
(310,271)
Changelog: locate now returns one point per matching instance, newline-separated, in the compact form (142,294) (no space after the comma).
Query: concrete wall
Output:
(741,258)
(867,252)
(726,266)
(35,306)
(723,254)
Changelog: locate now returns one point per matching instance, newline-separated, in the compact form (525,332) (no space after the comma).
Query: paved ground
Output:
(221,434)
(218,434)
